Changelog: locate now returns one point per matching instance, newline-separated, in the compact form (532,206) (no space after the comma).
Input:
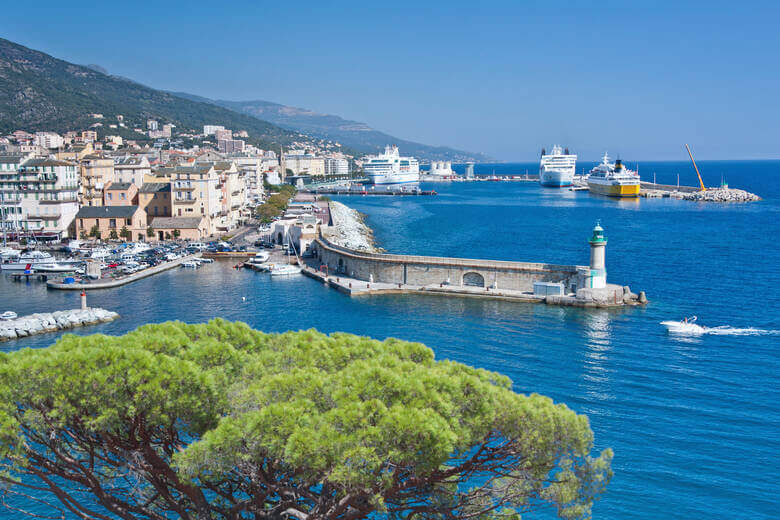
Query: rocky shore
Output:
(41,323)
(349,230)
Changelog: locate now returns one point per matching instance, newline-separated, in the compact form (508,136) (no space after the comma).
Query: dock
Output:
(364,191)
(110,283)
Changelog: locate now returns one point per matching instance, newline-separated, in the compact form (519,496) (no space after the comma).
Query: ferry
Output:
(391,168)
(613,180)
(557,169)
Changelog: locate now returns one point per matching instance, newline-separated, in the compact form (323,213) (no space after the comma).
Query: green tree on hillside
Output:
(219,421)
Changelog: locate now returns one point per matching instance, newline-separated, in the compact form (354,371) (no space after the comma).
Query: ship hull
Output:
(396,178)
(555,179)
(615,189)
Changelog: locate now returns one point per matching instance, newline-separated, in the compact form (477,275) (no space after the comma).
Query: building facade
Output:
(47,192)
(96,173)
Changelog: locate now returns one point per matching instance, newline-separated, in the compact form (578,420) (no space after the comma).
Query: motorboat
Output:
(260,258)
(684,326)
(285,270)
(8,315)
(55,268)
(30,259)
(206,260)
(191,264)
(6,253)
(100,252)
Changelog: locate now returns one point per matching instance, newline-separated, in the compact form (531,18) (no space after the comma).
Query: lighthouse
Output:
(598,271)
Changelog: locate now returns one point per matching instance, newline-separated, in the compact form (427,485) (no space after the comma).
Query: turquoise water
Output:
(693,420)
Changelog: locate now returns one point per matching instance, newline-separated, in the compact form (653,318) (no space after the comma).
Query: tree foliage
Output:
(219,421)
(276,203)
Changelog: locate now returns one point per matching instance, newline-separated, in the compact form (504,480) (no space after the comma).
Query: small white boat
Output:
(9,252)
(8,315)
(206,260)
(285,270)
(685,326)
(100,252)
(34,259)
(190,264)
(55,268)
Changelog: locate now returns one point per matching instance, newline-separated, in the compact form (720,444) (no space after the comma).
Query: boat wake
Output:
(691,329)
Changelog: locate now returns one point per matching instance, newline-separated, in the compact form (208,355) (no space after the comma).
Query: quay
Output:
(110,283)
(696,194)
(364,191)
(358,273)
(41,323)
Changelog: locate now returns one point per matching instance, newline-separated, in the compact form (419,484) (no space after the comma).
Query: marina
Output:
(616,363)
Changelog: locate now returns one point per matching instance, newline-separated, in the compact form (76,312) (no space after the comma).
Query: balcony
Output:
(59,201)
(50,216)
(184,188)
(185,201)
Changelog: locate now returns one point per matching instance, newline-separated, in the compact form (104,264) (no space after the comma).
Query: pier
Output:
(110,283)
(357,273)
(364,191)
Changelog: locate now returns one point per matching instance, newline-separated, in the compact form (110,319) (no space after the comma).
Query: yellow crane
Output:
(701,183)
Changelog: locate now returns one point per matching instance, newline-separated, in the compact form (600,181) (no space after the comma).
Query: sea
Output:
(693,419)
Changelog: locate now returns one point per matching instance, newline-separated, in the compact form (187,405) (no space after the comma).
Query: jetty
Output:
(696,194)
(41,323)
(110,283)
(362,190)
(359,272)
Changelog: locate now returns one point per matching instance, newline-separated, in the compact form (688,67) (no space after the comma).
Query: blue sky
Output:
(637,79)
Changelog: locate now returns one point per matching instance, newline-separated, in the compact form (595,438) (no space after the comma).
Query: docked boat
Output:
(8,315)
(391,168)
(613,179)
(285,270)
(55,268)
(206,260)
(100,252)
(7,253)
(191,264)
(32,259)
(556,169)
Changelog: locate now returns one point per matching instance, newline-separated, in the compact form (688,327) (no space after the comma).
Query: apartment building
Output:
(155,199)
(304,164)
(132,169)
(44,193)
(96,172)
(196,192)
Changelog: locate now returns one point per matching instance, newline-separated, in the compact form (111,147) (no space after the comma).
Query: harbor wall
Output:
(427,270)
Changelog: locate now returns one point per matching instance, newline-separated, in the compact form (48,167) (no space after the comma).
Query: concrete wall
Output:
(424,270)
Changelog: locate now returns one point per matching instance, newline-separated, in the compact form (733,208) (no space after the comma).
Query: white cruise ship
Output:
(391,168)
(557,168)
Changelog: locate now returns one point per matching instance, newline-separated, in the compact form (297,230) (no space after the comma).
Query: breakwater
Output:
(362,273)
(40,323)
(691,193)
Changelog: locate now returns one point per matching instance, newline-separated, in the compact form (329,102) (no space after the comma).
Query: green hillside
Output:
(39,92)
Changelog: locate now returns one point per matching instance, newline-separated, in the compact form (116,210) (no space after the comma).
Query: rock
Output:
(642,297)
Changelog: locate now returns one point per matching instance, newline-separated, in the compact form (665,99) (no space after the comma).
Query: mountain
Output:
(349,133)
(39,92)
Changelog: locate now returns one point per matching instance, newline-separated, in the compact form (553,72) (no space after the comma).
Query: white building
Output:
(44,195)
(304,164)
(336,166)
(48,140)
(212,129)
(131,169)
(151,124)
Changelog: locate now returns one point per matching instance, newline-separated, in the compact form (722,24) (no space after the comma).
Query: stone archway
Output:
(474,279)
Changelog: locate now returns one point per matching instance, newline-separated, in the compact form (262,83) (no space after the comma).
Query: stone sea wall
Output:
(40,323)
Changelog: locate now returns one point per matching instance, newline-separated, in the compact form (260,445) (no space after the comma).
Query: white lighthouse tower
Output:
(598,271)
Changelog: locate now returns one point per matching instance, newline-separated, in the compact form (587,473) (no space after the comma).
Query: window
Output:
(122,196)
(112,222)
(129,221)
(108,195)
